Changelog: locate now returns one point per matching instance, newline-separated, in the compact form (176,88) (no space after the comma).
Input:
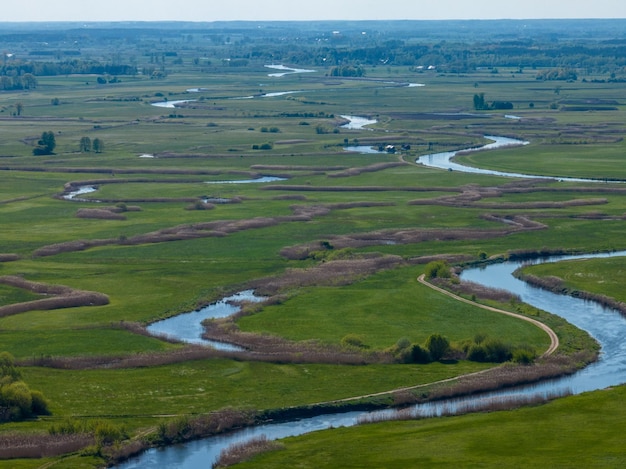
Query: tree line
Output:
(17,69)
(47,143)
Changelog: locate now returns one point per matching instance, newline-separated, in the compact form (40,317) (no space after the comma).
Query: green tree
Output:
(46,144)
(437,346)
(29,81)
(17,401)
(8,372)
(479,101)
(98,145)
(19,108)
(437,269)
(85,145)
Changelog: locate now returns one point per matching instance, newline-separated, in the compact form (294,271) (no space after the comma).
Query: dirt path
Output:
(554,344)
(554,340)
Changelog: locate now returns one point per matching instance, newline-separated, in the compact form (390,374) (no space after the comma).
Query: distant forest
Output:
(571,48)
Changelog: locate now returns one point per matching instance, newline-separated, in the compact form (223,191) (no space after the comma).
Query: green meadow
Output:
(158,239)
(578,431)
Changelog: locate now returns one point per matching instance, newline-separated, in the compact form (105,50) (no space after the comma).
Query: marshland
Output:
(119,212)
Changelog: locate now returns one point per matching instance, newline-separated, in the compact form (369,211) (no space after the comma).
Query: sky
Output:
(225,10)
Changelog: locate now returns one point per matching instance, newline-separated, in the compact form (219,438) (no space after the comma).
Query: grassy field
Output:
(168,252)
(580,431)
(587,275)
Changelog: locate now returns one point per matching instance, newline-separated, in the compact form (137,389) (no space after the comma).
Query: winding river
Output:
(444,160)
(187,327)
(607,326)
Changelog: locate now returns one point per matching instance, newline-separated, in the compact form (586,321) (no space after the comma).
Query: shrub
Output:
(437,346)
(67,427)
(438,269)
(8,372)
(107,433)
(497,351)
(524,356)
(419,355)
(402,350)
(39,404)
(16,396)
(353,341)
(489,350)
(477,353)
(17,401)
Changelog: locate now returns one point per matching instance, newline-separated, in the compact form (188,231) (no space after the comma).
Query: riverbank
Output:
(557,285)
(505,376)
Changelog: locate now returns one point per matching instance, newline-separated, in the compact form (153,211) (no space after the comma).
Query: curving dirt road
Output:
(554,340)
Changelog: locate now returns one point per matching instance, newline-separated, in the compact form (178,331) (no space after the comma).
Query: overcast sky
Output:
(215,10)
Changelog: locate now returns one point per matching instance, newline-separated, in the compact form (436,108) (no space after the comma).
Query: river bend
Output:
(606,325)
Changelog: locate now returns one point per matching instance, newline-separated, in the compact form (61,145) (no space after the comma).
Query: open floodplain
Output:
(242,182)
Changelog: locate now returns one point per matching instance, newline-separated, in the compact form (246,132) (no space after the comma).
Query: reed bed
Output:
(492,404)
(367,169)
(557,285)
(64,297)
(34,446)
(99,214)
(509,375)
(244,451)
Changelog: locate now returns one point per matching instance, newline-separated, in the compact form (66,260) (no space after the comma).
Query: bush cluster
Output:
(437,269)
(482,349)
(17,401)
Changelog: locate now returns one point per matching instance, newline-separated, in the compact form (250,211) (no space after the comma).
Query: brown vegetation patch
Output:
(303,188)
(268,348)
(61,297)
(411,236)
(180,429)
(509,375)
(200,230)
(241,452)
(277,167)
(449,258)
(33,446)
(290,197)
(447,116)
(292,141)
(471,194)
(99,213)
(9,257)
(470,288)
(367,169)
(557,285)
(331,273)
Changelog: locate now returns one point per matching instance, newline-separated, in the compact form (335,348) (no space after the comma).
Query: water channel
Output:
(187,327)
(444,160)
(607,326)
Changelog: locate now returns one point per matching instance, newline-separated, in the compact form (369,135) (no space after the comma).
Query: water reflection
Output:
(187,327)
(606,325)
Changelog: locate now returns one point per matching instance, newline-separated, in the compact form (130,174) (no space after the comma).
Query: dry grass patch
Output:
(557,285)
(62,297)
(244,451)
(99,214)
(9,257)
(367,169)
(36,446)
